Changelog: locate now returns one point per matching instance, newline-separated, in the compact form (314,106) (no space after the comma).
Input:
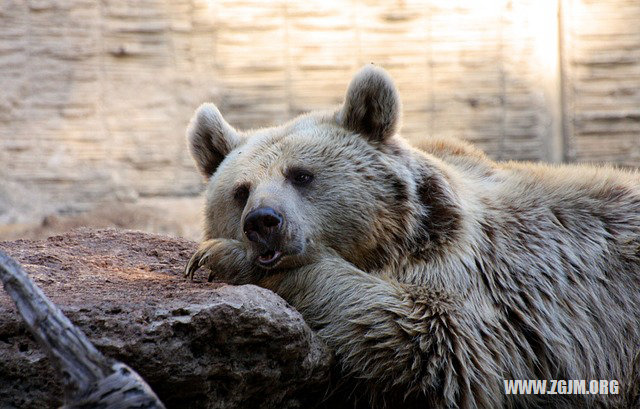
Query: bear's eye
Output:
(241,193)
(300,177)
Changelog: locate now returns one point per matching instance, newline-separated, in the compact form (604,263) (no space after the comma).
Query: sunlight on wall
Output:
(543,25)
(98,94)
(483,71)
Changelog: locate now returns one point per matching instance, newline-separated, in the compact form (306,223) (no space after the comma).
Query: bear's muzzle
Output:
(264,226)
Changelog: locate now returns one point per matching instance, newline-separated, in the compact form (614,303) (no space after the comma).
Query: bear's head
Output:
(339,178)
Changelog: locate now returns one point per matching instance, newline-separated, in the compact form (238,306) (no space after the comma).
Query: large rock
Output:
(198,344)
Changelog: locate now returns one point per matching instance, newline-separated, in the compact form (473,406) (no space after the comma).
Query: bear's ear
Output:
(372,105)
(210,139)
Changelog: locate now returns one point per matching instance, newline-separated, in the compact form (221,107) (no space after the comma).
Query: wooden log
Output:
(90,379)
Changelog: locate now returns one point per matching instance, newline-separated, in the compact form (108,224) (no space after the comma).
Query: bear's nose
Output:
(261,224)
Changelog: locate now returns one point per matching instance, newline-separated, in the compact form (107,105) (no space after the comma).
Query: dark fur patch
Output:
(489,232)
(557,213)
(534,340)
(441,221)
(394,198)
(483,275)
(369,124)
(399,188)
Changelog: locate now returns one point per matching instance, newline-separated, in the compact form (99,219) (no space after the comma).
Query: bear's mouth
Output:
(269,258)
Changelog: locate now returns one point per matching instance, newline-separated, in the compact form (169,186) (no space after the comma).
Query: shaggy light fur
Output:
(433,272)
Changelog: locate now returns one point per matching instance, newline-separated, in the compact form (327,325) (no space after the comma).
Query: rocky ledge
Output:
(197,344)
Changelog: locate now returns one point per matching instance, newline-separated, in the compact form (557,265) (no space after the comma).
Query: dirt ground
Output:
(177,217)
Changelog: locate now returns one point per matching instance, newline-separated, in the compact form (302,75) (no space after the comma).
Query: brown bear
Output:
(433,272)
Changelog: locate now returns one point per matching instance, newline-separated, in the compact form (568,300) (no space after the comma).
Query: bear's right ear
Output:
(372,105)
(210,139)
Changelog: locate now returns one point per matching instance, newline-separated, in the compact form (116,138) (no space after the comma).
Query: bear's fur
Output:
(433,272)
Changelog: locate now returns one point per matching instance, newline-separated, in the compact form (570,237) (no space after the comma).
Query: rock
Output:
(198,344)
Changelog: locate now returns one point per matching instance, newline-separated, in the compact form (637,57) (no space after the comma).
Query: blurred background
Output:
(95,96)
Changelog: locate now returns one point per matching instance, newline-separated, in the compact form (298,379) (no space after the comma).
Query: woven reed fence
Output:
(95,96)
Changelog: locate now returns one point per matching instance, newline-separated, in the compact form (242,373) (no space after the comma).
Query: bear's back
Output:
(554,251)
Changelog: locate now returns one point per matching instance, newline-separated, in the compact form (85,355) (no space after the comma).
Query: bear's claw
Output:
(194,264)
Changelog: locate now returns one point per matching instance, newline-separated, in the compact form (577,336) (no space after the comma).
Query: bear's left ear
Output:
(372,105)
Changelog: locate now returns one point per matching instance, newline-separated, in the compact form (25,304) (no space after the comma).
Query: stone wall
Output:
(602,55)
(95,95)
